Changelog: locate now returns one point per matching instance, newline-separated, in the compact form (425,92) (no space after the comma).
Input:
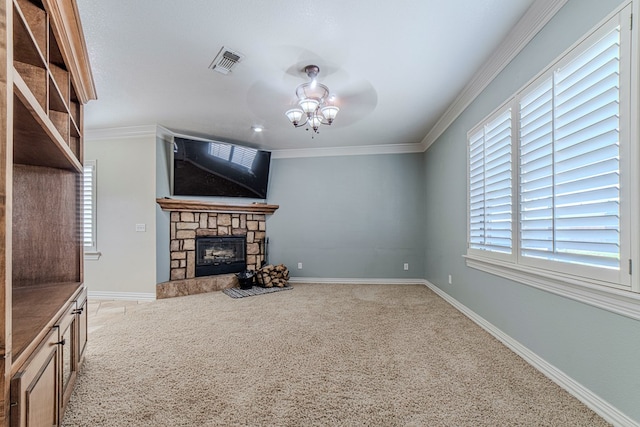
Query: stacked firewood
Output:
(272,275)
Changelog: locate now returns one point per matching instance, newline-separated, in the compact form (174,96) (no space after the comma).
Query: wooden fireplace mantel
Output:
(176,205)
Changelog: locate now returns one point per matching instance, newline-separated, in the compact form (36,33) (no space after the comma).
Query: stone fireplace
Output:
(210,241)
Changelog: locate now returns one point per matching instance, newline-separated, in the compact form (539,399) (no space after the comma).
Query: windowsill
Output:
(622,302)
(92,256)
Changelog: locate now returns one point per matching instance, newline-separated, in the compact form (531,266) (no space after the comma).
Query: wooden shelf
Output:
(34,309)
(198,205)
(38,141)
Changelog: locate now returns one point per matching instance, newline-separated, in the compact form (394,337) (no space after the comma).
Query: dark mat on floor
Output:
(255,290)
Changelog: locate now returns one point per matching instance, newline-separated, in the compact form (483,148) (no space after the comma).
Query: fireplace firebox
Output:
(220,255)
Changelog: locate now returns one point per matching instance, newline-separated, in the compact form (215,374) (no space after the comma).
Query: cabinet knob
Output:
(62,342)
(78,311)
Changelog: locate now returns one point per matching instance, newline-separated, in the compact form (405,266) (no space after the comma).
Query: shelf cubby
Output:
(59,88)
(60,121)
(30,32)
(35,78)
(37,141)
(74,107)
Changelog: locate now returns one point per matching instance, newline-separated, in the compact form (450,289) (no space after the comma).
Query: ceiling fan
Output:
(314,102)
(311,103)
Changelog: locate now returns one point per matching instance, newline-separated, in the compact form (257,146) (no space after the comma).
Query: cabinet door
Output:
(67,327)
(81,312)
(34,390)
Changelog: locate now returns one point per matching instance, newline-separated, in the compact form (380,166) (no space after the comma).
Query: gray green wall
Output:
(163,189)
(597,348)
(348,217)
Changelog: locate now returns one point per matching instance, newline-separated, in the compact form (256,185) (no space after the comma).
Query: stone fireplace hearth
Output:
(195,219)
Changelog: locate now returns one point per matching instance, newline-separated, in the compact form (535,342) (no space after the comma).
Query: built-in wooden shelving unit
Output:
(44,324)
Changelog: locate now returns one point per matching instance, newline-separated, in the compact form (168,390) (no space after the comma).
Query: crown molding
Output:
(120,132)
(362,150)
(68,28)
(128,132)
(151,131)
(534,19)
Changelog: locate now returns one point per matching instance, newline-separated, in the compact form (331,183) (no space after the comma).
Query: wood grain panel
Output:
(30,33)
(58,89)
(36,80)
(61,123)
(46,231)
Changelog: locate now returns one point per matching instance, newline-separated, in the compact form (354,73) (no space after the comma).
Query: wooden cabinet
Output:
(68,365)
(34,390)
(83,319)
(45,80)
(41,389)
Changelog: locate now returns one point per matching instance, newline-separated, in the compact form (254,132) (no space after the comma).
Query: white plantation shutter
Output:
(536,171)
(576,176)
(490,185)
(569,161)
(89,205)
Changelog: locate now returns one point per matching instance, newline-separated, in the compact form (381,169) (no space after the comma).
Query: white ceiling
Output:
(395,66)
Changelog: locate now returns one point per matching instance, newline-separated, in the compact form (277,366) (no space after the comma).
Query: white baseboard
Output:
(130,296)
(577,390)
(357,281)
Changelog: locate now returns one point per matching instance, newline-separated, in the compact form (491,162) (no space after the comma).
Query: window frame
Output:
(508,105)
(90,251)
(574,282)
(620,278)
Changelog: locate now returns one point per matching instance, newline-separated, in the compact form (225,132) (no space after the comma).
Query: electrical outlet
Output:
(406,266)
(141,228)
(450,279)
(299,266)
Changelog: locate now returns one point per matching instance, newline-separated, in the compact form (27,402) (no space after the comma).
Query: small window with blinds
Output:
(572,131)
(89,206)
(490,185)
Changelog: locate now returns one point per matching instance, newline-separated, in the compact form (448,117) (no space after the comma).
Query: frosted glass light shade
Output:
(330,112)
(294,115)
(315,122)
(308,105)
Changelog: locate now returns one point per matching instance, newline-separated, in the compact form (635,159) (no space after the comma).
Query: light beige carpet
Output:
(343,355)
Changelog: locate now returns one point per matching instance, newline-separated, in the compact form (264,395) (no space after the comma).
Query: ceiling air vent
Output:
(225,60)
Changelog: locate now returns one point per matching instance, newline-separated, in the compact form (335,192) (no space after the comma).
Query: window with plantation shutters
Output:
(89,206)
(490,182)
(569,160)
(573,168)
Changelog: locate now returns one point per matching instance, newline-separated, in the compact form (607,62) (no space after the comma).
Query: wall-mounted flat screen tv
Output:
(211,168)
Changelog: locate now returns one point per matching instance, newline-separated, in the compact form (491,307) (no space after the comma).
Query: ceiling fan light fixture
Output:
(313,99)
(294,115)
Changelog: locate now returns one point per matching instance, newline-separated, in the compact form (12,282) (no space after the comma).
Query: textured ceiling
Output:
(394,66)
